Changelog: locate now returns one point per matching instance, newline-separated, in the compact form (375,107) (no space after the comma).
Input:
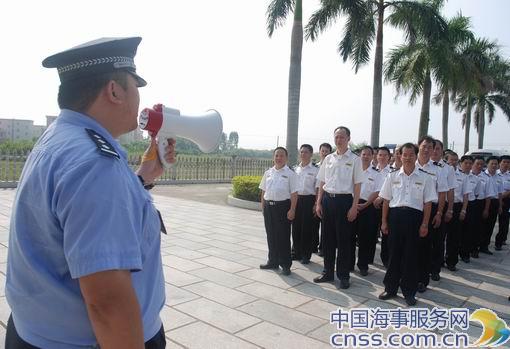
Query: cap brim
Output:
(140,82)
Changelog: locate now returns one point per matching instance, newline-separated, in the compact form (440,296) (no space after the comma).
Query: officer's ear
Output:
(114,92)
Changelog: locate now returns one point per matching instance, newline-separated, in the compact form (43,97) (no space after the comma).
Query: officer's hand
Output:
(424,230)
(462,216)
(448,216)
(361,207)
(500,210)
(377,203)
(352,214)
(291,214)
(151,167)
(436,221)
(384,228)
(485,214)
(318,210)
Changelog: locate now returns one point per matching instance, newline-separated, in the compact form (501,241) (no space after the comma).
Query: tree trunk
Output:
(467,125)
(446,107)
(481,126)
(296,48)
(425,106)
(378,72)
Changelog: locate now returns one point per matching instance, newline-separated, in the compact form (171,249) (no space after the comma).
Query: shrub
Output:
(246,187)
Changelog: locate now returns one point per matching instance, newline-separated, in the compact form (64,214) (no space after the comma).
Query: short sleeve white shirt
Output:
(307,178)
(278,185)
(341,172)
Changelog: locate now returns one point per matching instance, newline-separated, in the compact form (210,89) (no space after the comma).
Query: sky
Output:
(203,54)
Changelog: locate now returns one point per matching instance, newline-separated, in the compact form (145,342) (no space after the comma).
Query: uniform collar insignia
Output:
(105,148)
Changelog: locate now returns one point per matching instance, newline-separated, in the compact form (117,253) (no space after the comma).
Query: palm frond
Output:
(277,13)
(323,18)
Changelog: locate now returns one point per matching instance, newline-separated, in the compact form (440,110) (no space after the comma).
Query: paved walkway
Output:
(217,297)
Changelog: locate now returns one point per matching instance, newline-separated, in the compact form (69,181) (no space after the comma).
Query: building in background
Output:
(18,129)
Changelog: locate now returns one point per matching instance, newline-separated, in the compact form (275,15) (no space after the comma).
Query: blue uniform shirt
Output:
(78,211)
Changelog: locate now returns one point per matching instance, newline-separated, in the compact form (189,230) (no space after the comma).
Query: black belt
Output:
(276,203)
(404,208)
(336,195)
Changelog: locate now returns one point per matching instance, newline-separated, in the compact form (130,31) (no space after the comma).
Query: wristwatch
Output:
(146,186)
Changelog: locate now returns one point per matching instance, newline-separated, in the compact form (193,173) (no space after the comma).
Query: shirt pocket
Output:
(151,227)
(417,191)
(346,171)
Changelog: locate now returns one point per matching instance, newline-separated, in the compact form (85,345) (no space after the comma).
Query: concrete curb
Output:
(249,205)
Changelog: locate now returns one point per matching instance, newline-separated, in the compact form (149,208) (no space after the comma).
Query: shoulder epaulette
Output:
(437,164)
(105,148)
(314,164)
(393,170)
(375,168)
(422,170)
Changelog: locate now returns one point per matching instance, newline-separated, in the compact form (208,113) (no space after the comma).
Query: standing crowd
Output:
(427,208)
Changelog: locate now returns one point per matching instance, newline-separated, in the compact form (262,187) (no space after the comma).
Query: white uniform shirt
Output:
(340,172)
(372,182)
(307,179)
(438,175)
(384,173)
(408,191)
(450,174)
(472,186)
(494,185)
(506,180)
(462,186)
(279,184)
(481,189)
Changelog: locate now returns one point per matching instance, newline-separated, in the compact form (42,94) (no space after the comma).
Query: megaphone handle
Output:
(162,144)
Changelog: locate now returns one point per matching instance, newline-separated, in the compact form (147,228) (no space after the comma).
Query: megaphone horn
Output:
(204,130)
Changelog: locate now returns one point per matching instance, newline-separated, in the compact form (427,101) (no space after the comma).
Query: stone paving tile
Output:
(177,295)
(332,296)
(200,335)
(225,245)
(220,294)
(270,277)
(172,345)
(222,264)
(179,278)
(233,256)
(5,311)
(183,253)
(221,277)
(275,294)
(272,336)
(173,319)
(218,315)
(181,263)
(282,316)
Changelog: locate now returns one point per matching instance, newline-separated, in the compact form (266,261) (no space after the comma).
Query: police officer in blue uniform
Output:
(84,267)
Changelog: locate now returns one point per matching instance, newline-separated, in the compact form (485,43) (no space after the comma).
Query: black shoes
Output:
(386,295)
(320,253)
(324,278)
(474,254)
(363,272)
(286,271)
(344,284)
(465,259)
(451,267)
(410,300)
(435,276)
(295,258)
(498,248)
(305,261)
(486,251)
(421,287)
(268,266)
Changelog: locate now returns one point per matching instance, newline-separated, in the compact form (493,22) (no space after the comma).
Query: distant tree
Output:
(233,140)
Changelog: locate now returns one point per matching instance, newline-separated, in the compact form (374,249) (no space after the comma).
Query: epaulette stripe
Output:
(102,144)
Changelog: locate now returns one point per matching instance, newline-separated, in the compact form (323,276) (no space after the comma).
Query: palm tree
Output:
(458,35)
(277,12)
(365,22)
(489,87)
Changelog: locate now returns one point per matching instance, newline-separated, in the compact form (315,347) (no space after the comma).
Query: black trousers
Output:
(470,227)
(278,232)
(426,253)
(403,243)
(303,228)
(489,224)
(453,234)
(337,234)
(503,220)
(478,229)
(371,255)
(14,341)
(365,232)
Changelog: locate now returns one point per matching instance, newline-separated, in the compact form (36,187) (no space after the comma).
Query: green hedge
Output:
(246,187)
